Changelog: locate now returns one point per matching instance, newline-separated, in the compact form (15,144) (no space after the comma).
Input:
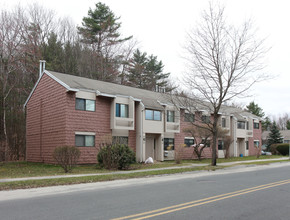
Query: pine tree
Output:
(154,74)
(288,125)
(274,136)
(100,31)
(147,72)
(255,109)
(137,69)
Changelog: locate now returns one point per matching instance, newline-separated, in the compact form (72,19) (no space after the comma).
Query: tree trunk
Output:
(214,141)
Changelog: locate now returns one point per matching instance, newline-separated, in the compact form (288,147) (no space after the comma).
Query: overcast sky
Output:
(161,26)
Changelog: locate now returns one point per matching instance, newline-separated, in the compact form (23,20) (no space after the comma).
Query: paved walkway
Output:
(136,171)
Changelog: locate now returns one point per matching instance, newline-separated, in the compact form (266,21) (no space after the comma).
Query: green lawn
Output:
(28,169)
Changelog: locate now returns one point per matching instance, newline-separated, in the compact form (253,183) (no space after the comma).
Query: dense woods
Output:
(96,50)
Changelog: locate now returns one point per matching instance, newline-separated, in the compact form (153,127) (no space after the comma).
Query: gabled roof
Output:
(150,99)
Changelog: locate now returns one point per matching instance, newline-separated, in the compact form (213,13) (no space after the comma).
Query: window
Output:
(241,125)
(85,140)
(85,104)
(120,140)
(256,125)
(224,122)
(189,117)
(206,142)
(170,116)
(205,119)
(247,125)
(220,144)
(122,110)
(247,145)
(188,142)
(168,143)
(152,115)
(257,143)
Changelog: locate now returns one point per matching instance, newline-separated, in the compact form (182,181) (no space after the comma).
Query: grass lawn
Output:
(90,179)
(28,169)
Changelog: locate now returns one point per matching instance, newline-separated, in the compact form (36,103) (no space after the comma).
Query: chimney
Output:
(41,67)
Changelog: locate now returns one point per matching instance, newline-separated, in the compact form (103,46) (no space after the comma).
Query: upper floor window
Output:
(85,104)
(188,117)
(85,140)
(224,122)
(168,143)
(205,119)
(188,142)
(152,115)
(256,125)
(241,124)
(170,116)
(122,110)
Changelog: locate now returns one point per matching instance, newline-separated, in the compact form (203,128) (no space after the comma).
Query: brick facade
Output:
(52,120)
(45,120)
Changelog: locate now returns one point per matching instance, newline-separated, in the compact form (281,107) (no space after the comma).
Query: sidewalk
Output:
(135,171)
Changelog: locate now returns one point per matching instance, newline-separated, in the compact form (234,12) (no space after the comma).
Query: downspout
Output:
(141,132)
(235,135)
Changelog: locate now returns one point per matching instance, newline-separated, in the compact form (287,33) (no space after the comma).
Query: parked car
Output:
(266,153)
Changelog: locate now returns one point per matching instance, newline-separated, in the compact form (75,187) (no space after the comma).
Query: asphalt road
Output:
(261,192)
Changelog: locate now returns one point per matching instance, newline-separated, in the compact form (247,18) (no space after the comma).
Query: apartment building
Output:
(64,109)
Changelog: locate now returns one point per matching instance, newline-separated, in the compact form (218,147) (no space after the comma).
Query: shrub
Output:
(116,156)
(67,157)
(283,149)
(273,149)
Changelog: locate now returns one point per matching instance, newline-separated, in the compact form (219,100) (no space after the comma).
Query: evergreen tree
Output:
(100,30)
(274,136)
(255,109)
(147,72)
(53,54)
(137,69)
(288,125)
(154,74)
(266,124)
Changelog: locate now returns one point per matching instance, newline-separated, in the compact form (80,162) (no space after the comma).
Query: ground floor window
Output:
(247,145)
(257,143)
(188,142)
(220,144)
(84,140)
(205,142)
(120,140)
(168,143)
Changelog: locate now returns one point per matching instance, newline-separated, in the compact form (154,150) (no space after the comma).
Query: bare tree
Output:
(201,137)
(224,62)
(11,40)
(282,121)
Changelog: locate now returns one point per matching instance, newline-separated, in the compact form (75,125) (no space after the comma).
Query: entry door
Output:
(150,145)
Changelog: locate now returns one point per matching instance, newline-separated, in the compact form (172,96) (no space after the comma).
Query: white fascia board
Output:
(105,94)
(53,77)
(32,91)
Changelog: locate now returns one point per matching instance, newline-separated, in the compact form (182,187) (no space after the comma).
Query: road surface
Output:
(247,192)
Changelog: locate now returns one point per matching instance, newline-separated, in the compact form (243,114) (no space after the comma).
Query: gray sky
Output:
(161,25)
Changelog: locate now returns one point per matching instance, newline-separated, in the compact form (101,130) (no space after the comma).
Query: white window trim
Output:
(84,133)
